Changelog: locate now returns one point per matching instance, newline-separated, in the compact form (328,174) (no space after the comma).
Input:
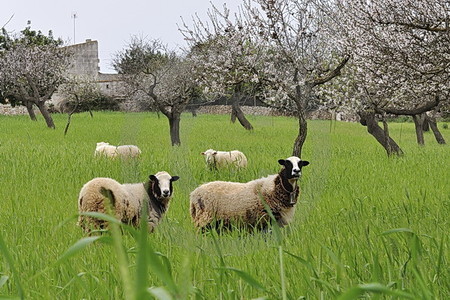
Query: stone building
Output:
(86,63)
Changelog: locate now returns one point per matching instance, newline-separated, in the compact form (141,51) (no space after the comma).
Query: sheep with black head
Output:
(127,200)
(231,203)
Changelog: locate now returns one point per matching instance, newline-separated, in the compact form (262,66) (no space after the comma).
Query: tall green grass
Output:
(366,225)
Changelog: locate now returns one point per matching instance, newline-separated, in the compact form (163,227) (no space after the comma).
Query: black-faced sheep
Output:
(127,200)
(240,203)
(218,159)
(123,151)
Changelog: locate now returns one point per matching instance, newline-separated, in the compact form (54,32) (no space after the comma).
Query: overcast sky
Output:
(111,23)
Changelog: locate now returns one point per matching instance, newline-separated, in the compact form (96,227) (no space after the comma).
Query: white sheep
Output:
(227,203)
(219,159)
(123,151)
(126,200)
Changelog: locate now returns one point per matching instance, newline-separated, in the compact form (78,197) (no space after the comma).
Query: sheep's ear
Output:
(281,162)
(153,178)
(304,163)
(215,153)
(175,178)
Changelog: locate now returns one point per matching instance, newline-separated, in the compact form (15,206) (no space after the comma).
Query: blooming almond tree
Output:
(226,58)
(400,60)
(150,70)
(32,73)
(78,91)
(303,56)
(33,65)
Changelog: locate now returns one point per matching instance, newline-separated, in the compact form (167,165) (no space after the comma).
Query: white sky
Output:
(111,23)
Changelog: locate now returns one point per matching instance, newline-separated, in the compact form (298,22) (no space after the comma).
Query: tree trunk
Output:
(368,119)
(174,124)
(426,124)
(437,134)
(302,132)
(302,97)
(236,112)
(418,122)
(29,106)
(45,114)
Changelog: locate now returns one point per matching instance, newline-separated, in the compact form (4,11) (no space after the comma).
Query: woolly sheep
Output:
(217,159)
(233,202)
(126,199)
(111,151)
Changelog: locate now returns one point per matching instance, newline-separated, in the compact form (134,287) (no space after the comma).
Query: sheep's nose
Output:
(296,171)
(166,193)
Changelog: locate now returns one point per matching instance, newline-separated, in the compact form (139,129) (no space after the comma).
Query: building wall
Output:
(85,58)
(86,63)
(111,85)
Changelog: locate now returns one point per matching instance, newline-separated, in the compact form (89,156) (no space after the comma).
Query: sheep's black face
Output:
(292,167)
(162,184)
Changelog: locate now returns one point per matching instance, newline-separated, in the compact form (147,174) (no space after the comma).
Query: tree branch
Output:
(410,112)
(331,74)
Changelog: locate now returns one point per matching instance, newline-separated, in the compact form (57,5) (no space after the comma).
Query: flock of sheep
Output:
(217,203)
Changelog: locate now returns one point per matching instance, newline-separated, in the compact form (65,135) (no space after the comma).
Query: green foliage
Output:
(366,226)
(28,37)
(94,102)
(141,56)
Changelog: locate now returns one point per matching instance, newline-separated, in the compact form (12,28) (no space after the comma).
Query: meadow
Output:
(366,226)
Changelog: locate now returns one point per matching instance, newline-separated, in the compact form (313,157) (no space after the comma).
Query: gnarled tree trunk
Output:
(45,114)
(419,120)
(174,125)
(302,96)
(437,134)
(236,112)
(368,119)
(29,106)
(302,132)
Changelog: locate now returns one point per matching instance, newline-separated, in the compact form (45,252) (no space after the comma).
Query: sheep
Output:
(124,151)
(228,203)
(126,200)
(218,159)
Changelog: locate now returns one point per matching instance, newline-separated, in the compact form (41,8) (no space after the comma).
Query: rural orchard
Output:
(339,190)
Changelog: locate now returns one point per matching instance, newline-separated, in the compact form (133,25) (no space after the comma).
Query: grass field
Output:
(366,225)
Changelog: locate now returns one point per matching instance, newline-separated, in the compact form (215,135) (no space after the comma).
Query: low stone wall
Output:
(248,110)
(7,109)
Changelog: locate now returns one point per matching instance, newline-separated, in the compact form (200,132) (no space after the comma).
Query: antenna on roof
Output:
(74,16)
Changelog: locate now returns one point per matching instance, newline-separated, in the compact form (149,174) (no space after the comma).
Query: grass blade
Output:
(160,293)
(141,260)
(375,288)
(3,280)
(247,278)
(10,262)
(395,230)
(77,247)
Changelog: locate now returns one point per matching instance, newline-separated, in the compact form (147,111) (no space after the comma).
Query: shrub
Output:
(99,102)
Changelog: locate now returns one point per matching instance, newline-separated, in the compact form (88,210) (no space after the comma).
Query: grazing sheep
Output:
(126,200)
(218,159)
(123,151)
(229,203)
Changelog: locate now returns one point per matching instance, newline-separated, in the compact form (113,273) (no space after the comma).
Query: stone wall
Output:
(267,111)
(85,58)
(248,110)
(7,109)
